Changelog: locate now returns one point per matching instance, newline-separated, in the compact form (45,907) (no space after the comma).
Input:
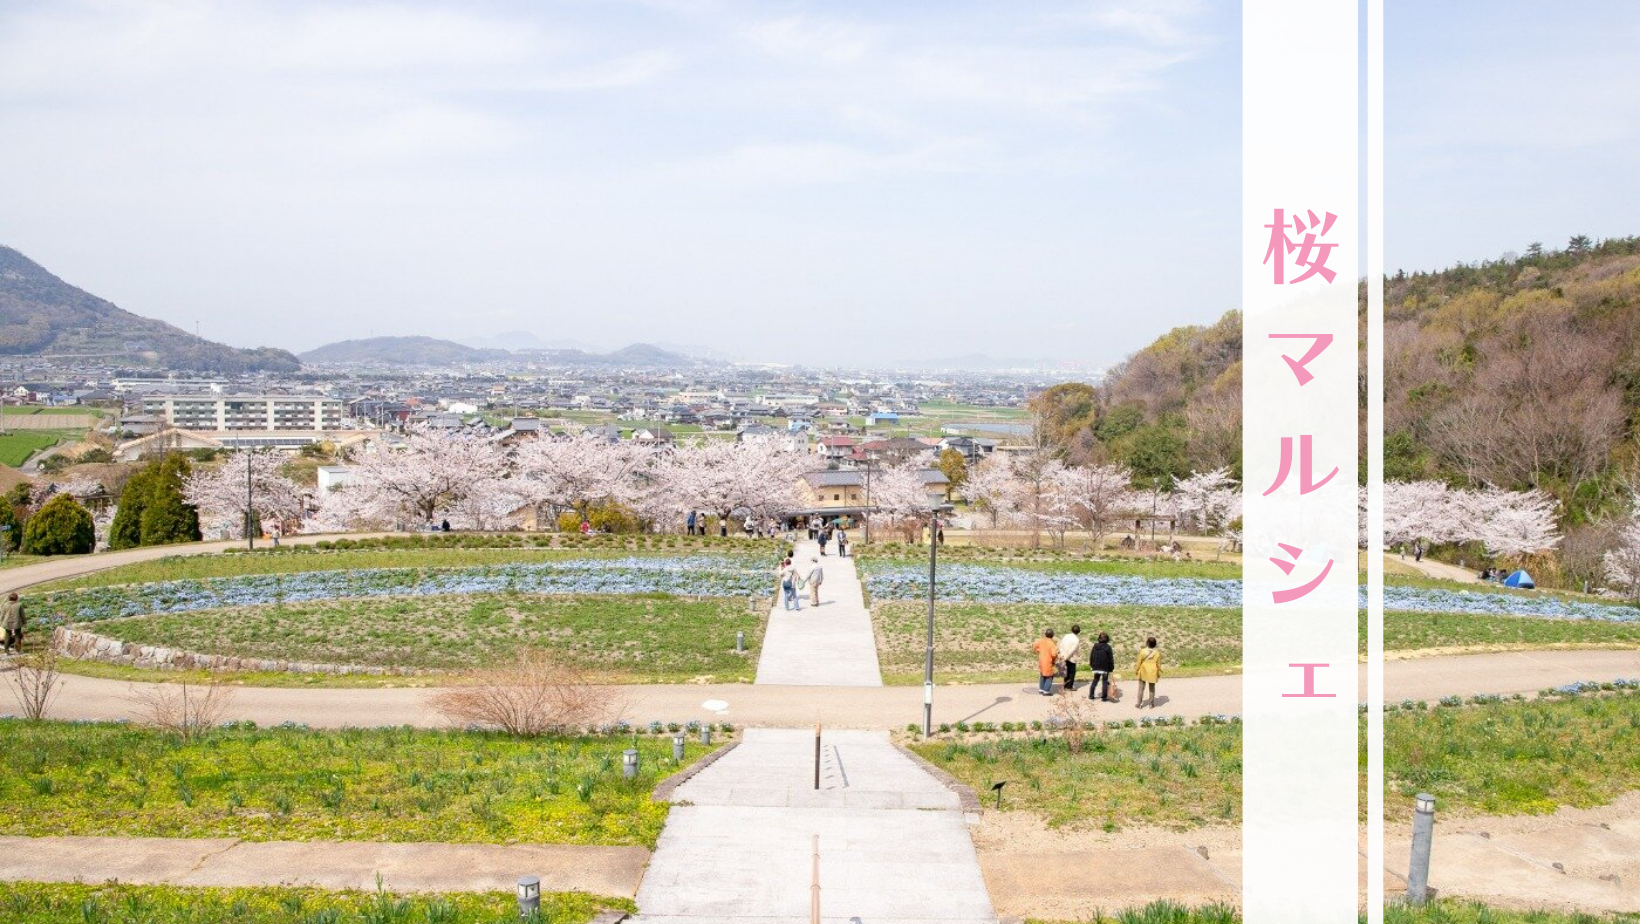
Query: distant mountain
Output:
(41,315)
(697,351)
(638,355)
(409,351)
(524,340)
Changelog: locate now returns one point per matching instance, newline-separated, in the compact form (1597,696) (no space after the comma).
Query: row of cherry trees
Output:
(475,483)
(1510,524)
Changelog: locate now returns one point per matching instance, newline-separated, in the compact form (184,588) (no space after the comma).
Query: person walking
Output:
(1047,652)
(788,586)
(12,622)
(825,537)
(815,577)
(1070,648)
(1102,661)
(1148,670)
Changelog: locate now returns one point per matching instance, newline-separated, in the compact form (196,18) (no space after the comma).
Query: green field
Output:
(116,903)
(1514,758)
(1504,758)
(358,784)
(641,638)
(16,446)
(1441,911)
(990,642)
(27,410)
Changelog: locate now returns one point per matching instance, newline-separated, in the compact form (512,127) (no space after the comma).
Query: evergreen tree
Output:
(60,527)
(126,530)
(166,516)
(11,538)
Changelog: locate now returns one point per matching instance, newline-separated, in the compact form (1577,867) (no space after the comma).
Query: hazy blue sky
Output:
(825,182)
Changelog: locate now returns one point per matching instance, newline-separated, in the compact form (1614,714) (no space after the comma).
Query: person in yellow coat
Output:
(1148,670)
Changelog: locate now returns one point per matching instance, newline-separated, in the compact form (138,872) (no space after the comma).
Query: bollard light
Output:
(706,734)
(677,747)
(740,643)
(1423,836)
(529,895)
(629,763)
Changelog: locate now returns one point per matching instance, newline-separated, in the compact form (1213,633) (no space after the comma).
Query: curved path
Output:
(1435,569)
(1428,679)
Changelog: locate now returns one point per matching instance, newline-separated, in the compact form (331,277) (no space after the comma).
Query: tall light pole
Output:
(250,537)
(867,514)
(928,661)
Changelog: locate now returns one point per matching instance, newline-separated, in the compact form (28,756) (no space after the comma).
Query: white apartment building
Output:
(245,412)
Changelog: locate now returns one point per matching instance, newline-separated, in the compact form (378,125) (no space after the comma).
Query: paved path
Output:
(894,842)
(831,645)
(1436,569)
(612,871)
(1426,679)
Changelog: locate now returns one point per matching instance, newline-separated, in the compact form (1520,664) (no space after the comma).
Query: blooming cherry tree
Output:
(249,479)
(432,474)
(1623,563)
(575,473)
(757,476)
(1512,523)
(1212,498)
(992,487)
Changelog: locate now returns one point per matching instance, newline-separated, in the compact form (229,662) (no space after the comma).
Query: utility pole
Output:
(250,536)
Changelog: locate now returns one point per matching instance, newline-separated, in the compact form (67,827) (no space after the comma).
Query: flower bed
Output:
(1024,585)
(705,576)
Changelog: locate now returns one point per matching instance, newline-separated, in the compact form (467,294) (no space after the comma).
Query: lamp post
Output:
(928,661)
(629,763)
(1423,834)
(529,895)
(867,513)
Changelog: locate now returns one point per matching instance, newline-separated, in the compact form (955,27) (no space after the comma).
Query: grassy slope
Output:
(365,784)
(114,903)
(653,638)
(1495,759)
(17,445)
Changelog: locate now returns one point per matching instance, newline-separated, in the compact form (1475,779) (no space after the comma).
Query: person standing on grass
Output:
(1047,652)
(1070,648)
(691,523)
(1148,670)
(1102,661)
(816,576)
(12,621)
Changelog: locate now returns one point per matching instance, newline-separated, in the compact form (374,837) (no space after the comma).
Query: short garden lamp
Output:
(529,895)
(706,734)
(1423,836)
(677,746)
(629,763)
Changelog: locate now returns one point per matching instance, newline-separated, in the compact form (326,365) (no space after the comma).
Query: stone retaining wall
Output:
(89,646)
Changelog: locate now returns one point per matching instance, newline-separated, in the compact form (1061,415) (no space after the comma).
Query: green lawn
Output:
(990,642)
(1514,758)
(1505,758)
(1442,911)
(640,638)
(116,903)
(367,553)
(1050,560)
(352,785)
(16,446)
(1127,778)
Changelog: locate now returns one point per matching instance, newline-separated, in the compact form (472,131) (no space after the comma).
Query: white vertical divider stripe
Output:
(1300,154)
(1375,461)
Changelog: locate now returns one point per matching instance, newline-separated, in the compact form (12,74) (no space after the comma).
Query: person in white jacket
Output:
(1070,648)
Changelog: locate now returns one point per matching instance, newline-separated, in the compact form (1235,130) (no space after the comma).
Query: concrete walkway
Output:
(832,645)
(894,842)
(612,871)
(1426,679)
(1435,569)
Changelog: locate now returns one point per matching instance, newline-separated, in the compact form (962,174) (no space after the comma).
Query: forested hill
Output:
(41,315)
(1171,409)
(1521,372)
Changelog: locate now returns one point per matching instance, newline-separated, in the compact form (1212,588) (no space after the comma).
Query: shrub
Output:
(151,508)
(11,538)
(183,709)
(61,527)
(533,696)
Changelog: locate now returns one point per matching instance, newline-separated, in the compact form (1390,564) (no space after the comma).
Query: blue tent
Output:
(1520,579)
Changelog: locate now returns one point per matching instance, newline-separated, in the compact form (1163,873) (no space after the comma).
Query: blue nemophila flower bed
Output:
(1021,585)
(991,584)
(710,576)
